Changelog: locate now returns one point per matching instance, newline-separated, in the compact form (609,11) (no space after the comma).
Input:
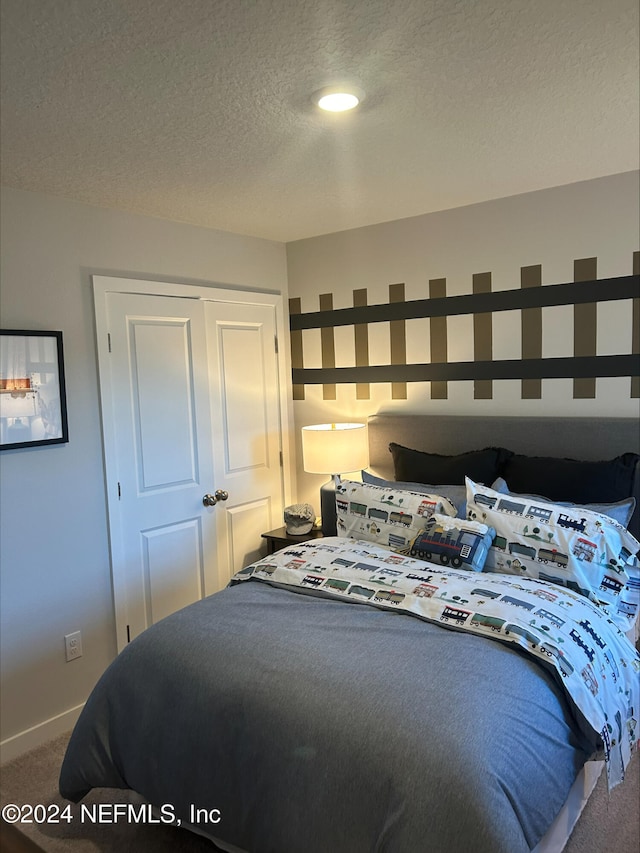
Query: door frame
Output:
(104,285)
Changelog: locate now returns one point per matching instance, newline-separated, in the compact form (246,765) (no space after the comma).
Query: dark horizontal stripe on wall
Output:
(547,296)
(534,368)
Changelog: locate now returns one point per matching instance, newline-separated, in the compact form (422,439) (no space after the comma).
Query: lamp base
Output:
(328,509)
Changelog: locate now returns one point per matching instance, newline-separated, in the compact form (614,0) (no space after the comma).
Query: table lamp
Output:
(333,449)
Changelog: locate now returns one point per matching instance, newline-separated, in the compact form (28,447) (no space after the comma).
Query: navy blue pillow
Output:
(417,466)
(572,480)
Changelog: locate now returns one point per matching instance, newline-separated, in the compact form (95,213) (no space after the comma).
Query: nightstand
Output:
(279,538)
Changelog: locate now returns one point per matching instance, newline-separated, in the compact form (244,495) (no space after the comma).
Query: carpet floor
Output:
(608,824)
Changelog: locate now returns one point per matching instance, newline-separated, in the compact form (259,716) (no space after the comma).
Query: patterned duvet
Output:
(339,697)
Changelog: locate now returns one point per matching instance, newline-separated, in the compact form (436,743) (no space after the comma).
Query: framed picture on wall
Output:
(33,405)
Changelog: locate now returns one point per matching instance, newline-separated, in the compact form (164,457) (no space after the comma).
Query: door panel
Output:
(173,569)
(165,540)
(163,389)
(242,521)
(244,396)
(242,355)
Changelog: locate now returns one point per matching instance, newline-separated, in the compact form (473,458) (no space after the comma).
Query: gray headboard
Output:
(573,438)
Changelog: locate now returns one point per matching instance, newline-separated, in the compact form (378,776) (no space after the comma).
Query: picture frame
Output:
(33,403)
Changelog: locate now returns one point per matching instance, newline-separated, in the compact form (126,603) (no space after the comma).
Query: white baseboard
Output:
(35,736)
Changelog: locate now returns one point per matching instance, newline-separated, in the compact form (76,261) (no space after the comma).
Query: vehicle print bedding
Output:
(338,696)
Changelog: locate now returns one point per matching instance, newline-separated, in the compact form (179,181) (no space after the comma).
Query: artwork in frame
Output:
(33,406)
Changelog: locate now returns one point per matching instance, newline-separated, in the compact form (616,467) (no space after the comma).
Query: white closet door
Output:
(190,409)
(246,417)
(163,538)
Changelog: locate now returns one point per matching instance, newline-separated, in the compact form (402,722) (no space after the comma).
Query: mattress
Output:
(307,715)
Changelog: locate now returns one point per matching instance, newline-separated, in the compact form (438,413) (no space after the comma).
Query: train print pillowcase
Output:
(571,546)
(388,516)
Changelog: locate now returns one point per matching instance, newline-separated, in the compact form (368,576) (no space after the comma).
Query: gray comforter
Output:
(320,725)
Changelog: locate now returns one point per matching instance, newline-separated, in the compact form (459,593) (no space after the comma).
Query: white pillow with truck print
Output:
(574,547)
(388,516)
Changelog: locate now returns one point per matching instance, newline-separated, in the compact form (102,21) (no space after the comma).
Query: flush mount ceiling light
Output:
(338,99)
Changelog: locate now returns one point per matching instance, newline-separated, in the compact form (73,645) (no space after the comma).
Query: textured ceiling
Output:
(200,110)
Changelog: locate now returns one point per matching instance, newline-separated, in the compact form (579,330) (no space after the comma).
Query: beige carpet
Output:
(609,824)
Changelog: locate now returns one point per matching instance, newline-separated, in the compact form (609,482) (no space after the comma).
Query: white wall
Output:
(55,575)
(598,218)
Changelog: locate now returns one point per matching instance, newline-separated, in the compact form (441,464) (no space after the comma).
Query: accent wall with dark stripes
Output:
(530,297)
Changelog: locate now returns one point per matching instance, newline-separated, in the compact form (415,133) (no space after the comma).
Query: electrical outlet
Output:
(73,645)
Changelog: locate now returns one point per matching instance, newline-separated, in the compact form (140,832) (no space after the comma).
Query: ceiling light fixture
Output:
(338,99)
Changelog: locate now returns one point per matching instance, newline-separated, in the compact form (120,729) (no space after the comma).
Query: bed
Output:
(363,692)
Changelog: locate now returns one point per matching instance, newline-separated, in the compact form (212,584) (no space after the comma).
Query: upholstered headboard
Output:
(575,438)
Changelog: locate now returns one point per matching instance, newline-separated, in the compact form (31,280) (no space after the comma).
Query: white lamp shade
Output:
(334,448)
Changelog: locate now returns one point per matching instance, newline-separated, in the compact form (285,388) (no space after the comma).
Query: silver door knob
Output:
(212,500)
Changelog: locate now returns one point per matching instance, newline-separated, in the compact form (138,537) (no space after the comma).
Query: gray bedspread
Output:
(328,726)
